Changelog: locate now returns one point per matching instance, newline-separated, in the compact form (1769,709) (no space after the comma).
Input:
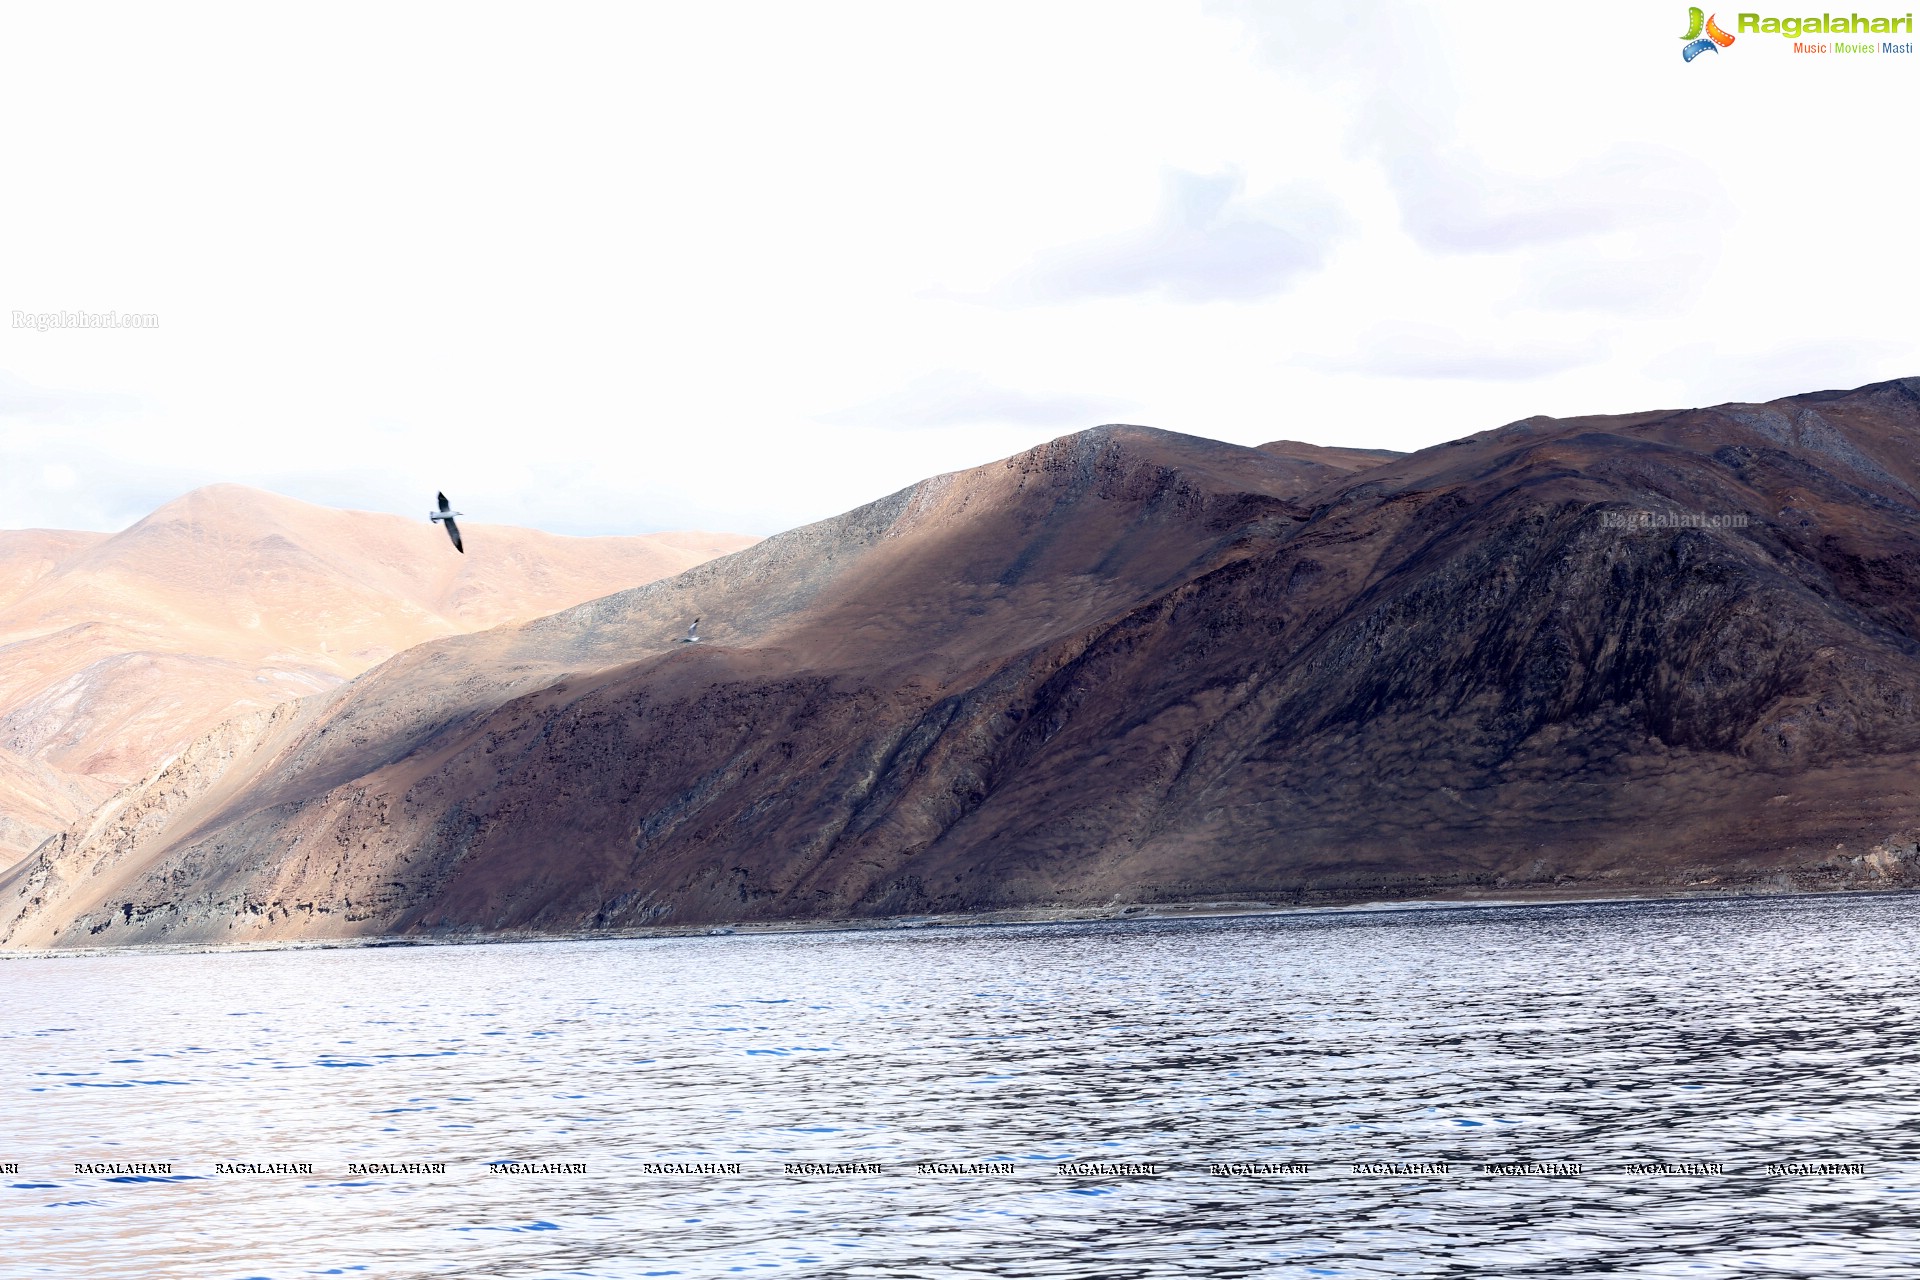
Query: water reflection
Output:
(1730,1034)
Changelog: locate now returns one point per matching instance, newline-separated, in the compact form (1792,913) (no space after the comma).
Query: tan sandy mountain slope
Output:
(117,651)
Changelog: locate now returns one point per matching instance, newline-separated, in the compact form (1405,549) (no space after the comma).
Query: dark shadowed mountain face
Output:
(1604,654)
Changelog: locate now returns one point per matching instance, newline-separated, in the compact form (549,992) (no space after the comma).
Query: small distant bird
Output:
(693,633)
(445,516)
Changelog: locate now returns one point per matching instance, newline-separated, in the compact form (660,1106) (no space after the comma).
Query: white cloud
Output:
(23,401)
(1453,201)
(615,268)
(1718,374)
(1627,274)
(950,397)
(1590,206)
(58,476)
(1411,350)
(1207,244)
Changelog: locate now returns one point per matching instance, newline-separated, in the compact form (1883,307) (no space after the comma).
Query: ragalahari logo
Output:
(1697,44)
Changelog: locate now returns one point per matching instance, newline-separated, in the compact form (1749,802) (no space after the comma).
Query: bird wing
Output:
(444,504)
(453,531)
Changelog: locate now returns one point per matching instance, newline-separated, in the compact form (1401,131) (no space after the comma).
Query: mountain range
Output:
(117,651)
(1670,651)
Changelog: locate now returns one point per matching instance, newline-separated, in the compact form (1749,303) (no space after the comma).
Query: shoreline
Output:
(1015,917)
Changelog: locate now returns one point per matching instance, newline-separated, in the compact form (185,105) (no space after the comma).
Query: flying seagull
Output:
(693,633)
(445,516)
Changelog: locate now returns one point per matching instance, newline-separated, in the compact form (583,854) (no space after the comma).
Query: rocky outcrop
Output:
(1672,651)
(40,801)
(63,878)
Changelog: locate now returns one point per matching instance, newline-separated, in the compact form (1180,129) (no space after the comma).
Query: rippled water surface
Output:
(1736,1034)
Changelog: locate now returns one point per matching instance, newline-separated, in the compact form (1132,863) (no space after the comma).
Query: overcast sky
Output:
(628,267)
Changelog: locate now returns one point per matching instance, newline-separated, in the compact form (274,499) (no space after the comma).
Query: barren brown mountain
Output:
(1650,652)
(118,651)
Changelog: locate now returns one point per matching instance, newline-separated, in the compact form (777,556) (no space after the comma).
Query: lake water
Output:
(1711,1039)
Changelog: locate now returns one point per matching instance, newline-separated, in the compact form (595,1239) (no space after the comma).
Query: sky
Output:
(632,267)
